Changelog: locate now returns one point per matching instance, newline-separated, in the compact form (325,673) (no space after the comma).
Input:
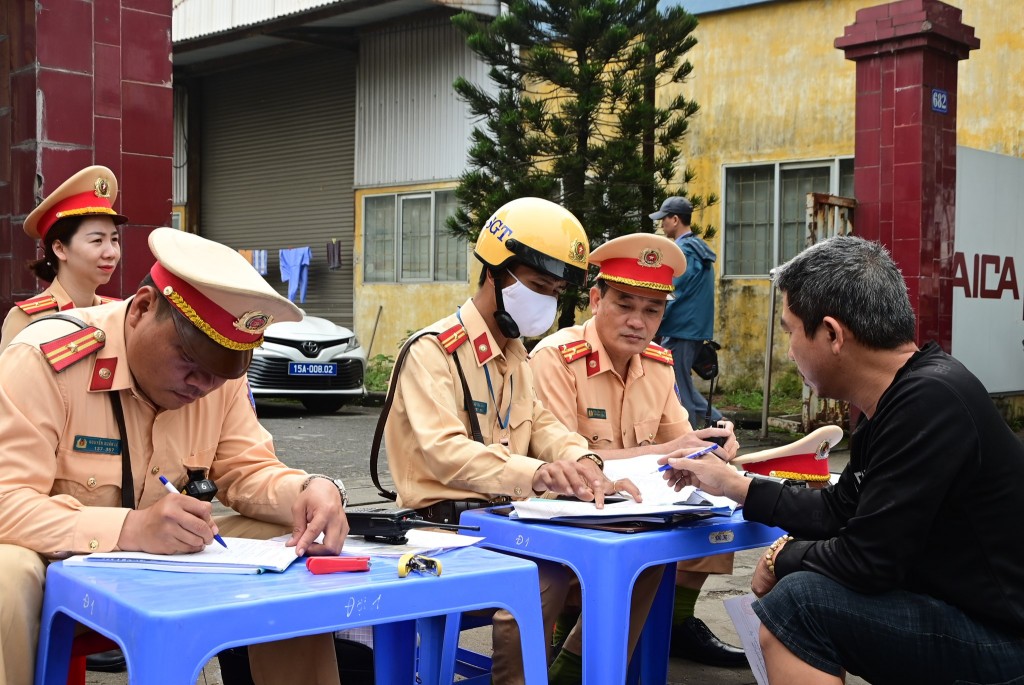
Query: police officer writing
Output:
(530,249)
(96,405)
(81,247)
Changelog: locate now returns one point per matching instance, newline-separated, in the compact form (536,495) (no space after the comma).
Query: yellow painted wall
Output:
(772,87)
(403,307)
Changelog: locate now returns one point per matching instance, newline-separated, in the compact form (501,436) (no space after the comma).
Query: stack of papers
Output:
(241,556)
(260,556)
(660,502)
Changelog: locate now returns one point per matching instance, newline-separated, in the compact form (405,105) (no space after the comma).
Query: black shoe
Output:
(106,662)
(693,640)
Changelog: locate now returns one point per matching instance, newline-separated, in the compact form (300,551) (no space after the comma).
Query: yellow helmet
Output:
(538,233)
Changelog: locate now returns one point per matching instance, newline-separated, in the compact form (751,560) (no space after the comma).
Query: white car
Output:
(314,360)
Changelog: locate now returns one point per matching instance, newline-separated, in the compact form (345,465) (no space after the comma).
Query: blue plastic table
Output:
(170,624)
(607,565)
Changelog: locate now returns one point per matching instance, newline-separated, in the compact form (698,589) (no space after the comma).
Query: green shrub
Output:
(787,384)
(746,393)
(378,370)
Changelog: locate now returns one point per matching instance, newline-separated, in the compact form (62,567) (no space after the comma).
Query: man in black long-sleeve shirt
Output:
(911,568)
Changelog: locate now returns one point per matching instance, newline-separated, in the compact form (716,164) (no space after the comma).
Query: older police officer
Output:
(607,381)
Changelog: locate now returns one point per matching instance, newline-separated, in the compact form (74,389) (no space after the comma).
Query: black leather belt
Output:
(449,510)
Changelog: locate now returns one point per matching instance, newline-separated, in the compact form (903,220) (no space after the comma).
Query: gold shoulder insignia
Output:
(575,350)
(452,338)
(36,305)
(73,347)
(658,354)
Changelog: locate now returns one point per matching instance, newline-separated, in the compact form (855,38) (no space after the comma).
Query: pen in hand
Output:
(170,488)
(699,453)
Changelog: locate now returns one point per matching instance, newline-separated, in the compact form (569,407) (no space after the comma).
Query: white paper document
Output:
(241,556)
(747,625)
(660,501)
(654,489)
(644,473)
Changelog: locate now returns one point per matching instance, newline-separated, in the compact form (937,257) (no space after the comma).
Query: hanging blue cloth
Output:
(295,271)
(259,261)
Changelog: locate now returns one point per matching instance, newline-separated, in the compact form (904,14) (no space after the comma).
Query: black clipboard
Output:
(617,526)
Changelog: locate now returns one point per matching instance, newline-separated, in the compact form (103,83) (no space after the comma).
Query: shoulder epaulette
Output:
(452,338)
(658,354)
(73,347)
(36,305)
(107,300)
(575,350)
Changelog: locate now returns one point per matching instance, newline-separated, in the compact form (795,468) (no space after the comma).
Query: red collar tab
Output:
(103,374)
(482,348)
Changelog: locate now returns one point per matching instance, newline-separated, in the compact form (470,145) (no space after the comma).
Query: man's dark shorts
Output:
(895,637)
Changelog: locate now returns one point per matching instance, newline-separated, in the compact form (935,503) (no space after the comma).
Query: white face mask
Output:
(533,312)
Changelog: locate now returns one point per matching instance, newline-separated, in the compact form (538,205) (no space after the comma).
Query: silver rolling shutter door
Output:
(277,168)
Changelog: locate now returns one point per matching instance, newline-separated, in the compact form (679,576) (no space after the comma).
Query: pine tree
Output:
(573,115)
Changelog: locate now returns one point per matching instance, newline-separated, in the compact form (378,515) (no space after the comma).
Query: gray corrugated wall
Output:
(277,167)
(412,128)
(180,177)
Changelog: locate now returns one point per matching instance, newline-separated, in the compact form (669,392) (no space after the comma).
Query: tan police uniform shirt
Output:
(17,318)
(60,468)
(431,453)
(589,397)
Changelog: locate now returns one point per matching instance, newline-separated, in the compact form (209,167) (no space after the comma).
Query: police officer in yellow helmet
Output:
(546,238)
(531,250)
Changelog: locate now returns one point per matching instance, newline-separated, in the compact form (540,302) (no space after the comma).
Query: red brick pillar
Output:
(905,152)
(84,82)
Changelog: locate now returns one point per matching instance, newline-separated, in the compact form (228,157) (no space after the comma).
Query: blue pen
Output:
(699,453)
(170,489)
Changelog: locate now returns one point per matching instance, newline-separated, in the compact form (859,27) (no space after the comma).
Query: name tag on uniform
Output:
(88,443)
(481,407)
(596,413)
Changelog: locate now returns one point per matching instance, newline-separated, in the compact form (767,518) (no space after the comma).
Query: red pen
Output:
(321,565)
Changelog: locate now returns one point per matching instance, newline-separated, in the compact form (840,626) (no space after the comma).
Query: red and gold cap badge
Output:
(253,322)
(650,258)
(578,252)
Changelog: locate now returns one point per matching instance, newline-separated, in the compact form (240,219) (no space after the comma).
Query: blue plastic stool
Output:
(475,668)
(607,565)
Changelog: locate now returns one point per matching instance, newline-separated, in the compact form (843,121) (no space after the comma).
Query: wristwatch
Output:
(338,483)
(594,458)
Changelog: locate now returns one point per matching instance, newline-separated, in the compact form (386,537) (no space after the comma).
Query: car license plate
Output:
(304,369)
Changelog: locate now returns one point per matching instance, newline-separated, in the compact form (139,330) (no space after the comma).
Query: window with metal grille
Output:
(405,239)
(765,208)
